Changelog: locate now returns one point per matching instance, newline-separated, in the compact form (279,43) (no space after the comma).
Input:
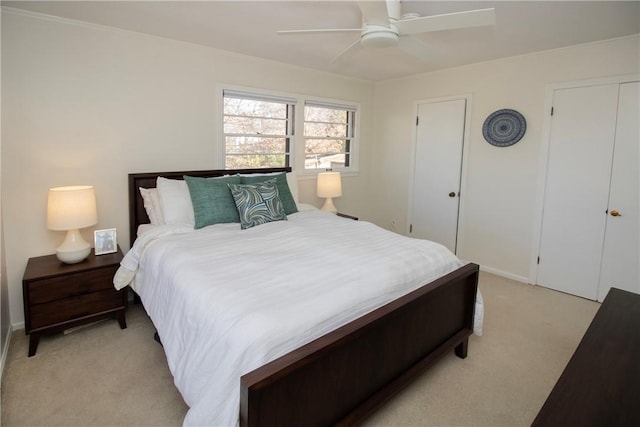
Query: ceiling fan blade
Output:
(348,51)
(447,21)
(374,12)
(394,9)
(320,30)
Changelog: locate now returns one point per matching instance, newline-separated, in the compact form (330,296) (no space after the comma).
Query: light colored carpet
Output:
(103,376)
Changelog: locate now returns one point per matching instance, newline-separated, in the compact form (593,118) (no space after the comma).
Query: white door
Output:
(621,245)
(577,188)
(590,225)
(437,171)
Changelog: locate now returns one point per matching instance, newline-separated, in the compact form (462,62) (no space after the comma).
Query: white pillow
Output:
(292,180)
(151,201)
(175,201)
(143,228)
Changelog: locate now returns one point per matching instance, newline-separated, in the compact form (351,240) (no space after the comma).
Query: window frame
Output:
(289,119)
(350,125)
(297,139)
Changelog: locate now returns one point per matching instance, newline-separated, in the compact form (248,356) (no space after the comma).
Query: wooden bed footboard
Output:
(341,377)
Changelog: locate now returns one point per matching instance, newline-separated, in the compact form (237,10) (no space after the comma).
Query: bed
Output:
(338,352)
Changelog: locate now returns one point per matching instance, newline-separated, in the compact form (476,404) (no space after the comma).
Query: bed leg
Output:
(461,349)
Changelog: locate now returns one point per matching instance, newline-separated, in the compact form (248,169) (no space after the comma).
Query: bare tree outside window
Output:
(328,133)
(259,132)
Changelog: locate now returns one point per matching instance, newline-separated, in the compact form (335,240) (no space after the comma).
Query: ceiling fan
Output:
(383,25)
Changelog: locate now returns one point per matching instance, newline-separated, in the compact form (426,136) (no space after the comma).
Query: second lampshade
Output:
(70,209)
(329,186)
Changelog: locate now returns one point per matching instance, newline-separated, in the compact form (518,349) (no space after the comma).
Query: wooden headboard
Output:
(137,213)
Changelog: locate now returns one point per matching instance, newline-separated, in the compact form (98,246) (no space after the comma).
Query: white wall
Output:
(5,321)
(5,318)
(501,185)
(84,104)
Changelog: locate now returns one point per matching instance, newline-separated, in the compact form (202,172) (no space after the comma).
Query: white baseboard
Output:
(18,326)
(5,351)
(506,275)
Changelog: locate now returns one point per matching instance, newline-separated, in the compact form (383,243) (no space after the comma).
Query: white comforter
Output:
(226,301)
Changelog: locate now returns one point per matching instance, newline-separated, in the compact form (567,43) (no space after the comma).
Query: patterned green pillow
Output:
(257,203)
(212,201)
(288,203)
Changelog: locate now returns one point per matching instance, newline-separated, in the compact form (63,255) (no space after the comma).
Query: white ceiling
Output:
(249,27)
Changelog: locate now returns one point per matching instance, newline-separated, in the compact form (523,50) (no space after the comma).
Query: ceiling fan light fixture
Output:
(376,36)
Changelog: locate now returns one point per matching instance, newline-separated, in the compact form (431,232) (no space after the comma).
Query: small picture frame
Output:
(105,241)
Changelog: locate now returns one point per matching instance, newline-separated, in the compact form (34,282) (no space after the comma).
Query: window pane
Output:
(318,161)
(248,145)
(249,107)
(255,161)
(328,132)
(325,146)
(325,129)
(257,133)
(253,126)
(330,115)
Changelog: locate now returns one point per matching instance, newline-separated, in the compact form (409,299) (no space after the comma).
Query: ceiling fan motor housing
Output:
(377,36)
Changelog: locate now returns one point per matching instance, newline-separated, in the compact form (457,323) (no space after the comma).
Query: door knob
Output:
(615,213)
(452,194)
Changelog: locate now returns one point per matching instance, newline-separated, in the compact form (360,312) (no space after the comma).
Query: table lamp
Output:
(329,186)
(70,209)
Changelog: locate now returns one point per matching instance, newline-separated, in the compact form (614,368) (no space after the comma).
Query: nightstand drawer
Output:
(71,285)
(72,308)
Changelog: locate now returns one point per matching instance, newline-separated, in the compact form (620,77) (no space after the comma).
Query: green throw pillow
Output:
(257,203)
(212,200)
(288,203)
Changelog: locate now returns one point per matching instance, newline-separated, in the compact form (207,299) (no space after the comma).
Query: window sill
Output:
(307,175)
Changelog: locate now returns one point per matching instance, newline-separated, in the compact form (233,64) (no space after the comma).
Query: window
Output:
(262,130)
(328,135)
(258,130)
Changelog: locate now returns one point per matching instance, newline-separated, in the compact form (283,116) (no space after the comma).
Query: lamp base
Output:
(329,206)
(74,249)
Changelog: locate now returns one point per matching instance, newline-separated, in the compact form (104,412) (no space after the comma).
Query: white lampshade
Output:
(329,186)
(72,208)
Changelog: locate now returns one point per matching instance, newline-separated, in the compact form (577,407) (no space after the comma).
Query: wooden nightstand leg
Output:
(122,320)
(34,339)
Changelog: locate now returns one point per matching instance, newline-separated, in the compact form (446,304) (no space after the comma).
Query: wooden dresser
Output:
(59,296)
(601,384)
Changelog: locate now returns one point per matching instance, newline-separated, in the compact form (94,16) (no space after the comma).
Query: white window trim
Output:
(296,156)
(353,138)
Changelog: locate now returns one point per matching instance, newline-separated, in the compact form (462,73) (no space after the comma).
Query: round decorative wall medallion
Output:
(504,128)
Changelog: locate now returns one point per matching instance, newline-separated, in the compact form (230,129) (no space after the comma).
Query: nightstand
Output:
(355,218)
(60,296)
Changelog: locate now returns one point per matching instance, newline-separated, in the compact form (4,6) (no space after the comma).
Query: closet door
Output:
(621,245)
(437,171)
(577,189)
